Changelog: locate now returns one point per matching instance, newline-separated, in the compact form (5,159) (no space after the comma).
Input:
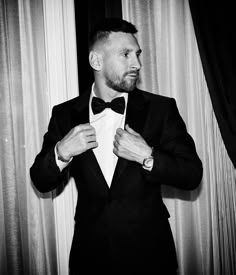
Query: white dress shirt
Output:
(105,124)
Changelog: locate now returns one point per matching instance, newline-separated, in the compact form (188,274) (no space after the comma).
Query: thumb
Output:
(130,130)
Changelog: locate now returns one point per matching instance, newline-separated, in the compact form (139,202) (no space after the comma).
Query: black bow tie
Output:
(117,105)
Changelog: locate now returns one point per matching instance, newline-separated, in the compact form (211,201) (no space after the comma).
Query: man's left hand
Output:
(130,145)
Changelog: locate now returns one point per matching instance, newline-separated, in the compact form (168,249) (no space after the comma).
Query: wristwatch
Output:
(148,161)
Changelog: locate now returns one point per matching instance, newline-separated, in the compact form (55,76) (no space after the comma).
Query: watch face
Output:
(148,162)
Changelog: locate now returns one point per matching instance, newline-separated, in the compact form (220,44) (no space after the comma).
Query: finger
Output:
(115,143)
(117,137)
(119,131)
(91,145)
(89,132)
(85,126)
(115,151)
(130,130)
(91,138)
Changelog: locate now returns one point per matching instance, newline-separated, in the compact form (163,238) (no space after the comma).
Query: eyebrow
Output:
(130,50)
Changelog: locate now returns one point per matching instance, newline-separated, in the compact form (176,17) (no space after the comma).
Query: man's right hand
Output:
(80,139)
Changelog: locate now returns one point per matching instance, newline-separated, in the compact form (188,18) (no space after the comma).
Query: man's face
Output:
(120,61)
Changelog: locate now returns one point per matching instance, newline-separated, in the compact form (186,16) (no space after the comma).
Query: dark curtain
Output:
(214,24)
(87,13)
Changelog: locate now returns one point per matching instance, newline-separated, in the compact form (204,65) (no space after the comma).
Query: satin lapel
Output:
(80,110)
(135,118)
(80,115)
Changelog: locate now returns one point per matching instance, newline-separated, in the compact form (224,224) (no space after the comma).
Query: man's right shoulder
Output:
(73,102)
(67,103)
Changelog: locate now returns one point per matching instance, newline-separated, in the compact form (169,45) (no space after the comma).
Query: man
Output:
(119,154)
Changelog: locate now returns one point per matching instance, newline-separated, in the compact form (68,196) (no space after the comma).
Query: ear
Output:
(95,60)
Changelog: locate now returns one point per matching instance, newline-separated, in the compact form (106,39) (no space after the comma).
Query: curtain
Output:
(62,85)
(38,69)
(203,221)
(214,25)
(87,14)
(27,239)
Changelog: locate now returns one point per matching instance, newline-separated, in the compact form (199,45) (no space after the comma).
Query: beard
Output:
(122,85)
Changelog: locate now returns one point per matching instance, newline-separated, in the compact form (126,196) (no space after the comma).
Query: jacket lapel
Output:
(135,118)
(80,115)
(80,110)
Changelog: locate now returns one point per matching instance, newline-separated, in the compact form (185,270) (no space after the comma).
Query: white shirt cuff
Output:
(61,165)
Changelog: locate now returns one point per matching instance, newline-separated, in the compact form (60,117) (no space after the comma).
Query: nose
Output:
(136,64)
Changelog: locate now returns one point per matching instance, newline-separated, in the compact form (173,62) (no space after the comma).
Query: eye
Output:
(138,53)
(126,54)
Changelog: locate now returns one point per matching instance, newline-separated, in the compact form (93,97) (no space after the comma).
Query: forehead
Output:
(121,40)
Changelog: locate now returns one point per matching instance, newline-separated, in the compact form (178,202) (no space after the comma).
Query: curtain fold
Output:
(26,233)
(214,26)
(9,218)
(61,85)
(203,221)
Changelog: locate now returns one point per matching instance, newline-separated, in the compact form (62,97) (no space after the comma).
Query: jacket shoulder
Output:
(155,97)
(74,102)
(67,104)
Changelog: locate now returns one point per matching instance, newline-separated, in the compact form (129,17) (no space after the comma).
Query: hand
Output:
(130,145)
(80,139)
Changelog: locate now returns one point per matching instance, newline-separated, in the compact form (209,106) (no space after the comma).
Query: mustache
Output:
(133,72)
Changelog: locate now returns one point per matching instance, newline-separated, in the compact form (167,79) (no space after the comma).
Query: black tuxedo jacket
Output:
(124,227)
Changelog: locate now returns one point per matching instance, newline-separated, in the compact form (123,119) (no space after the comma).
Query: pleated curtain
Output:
(38,69)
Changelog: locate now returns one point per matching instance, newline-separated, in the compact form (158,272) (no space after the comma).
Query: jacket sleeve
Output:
(44,172)
(176,162)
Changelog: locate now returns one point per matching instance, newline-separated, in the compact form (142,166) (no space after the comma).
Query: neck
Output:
(104,92)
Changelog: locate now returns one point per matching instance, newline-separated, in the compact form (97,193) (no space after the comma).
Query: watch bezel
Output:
(146,160)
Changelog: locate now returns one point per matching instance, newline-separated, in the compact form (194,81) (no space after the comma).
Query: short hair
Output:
(102,30)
